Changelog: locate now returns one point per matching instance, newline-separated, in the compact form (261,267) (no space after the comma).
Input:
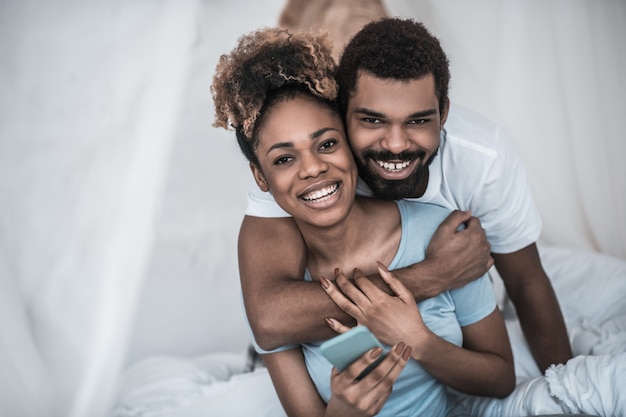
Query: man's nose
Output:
(396,140)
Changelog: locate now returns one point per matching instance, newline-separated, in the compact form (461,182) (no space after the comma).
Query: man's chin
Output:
(392,190)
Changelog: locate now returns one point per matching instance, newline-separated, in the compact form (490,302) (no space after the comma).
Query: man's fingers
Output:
(396,286)
(368,288)
(473,225)
(455,220)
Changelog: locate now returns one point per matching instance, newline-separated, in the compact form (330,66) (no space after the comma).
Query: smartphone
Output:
(344,349)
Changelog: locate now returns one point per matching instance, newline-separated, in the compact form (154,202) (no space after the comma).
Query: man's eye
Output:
(282,160)
(418,121)
(328,144)
(372,120)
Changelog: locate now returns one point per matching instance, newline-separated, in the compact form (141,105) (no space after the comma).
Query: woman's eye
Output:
(328,144)
(282,160)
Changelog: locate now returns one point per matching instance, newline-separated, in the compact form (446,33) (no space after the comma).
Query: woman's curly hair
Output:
(263,62)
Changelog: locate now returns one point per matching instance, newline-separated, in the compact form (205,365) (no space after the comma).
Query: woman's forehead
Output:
(297,117)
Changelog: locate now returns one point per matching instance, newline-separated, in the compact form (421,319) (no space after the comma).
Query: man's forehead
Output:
(374,93)
(366,77)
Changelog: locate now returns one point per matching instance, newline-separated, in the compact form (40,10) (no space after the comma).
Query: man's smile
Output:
(393,167)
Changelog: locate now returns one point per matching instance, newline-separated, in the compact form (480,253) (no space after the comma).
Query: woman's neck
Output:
(370,232)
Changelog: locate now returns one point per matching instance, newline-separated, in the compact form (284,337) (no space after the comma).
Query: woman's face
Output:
(306,161)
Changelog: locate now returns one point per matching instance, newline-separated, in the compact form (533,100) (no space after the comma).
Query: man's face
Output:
(393,127)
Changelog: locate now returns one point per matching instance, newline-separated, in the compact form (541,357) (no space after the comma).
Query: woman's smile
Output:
(306,161)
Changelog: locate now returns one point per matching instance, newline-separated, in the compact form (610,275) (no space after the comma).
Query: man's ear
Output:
(259,177)
(446,111)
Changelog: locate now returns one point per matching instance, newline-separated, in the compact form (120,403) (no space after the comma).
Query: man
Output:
(393,79)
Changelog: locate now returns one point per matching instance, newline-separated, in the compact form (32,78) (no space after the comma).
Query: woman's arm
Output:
(292,382)
(483,366)
(351,397)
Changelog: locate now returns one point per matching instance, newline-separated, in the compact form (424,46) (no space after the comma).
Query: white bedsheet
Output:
(592,385)
(590,287)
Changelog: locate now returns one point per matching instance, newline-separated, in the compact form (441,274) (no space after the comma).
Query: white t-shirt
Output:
(476,169)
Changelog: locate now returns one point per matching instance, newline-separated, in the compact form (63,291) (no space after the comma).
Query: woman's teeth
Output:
(390,166)
(320,194)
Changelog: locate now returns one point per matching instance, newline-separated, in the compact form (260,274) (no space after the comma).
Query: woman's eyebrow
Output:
(312,136)
(279,145)
(320,132)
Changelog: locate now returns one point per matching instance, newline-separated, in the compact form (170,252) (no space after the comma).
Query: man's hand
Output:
(458,253)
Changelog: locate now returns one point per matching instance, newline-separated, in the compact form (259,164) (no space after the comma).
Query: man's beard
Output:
(393,189)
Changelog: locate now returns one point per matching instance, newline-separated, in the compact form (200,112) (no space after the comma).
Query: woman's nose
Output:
(311,166)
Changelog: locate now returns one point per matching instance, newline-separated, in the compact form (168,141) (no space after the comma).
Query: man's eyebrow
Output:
(312,136)
(424,113)
(416,115)
(367,112)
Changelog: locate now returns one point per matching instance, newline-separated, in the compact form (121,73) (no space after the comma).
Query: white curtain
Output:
(90,95)
(95,158)
(553,74)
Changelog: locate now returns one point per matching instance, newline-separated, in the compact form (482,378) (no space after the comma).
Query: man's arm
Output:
(537,307)
(284,309)
(457,254)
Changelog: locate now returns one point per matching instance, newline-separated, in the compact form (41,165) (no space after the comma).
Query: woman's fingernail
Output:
(324,282)
(376,352)
(407,353)
(400,348)
(330,322)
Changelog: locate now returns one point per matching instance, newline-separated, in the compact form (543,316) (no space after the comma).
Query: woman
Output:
(277,90)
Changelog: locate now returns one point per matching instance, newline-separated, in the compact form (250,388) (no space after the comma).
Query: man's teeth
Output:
(320,194)
(394,167)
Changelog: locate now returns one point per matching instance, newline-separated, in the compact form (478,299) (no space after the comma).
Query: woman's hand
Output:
(391,318)
(364,397)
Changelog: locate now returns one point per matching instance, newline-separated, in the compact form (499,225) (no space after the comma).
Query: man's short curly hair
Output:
(248,80)
(393,48)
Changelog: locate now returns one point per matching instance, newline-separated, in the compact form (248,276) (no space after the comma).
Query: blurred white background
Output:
(120,204)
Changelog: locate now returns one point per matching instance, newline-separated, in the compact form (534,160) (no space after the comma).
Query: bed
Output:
(120,204)
(590,287)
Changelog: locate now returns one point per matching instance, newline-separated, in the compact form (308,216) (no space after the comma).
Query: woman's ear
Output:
(259,177)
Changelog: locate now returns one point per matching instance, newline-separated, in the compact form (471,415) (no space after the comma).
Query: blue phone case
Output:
(344,349)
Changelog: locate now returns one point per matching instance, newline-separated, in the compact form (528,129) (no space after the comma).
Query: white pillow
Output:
(160,383)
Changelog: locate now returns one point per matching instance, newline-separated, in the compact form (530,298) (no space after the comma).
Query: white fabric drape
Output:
(91,95)
(552,73)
